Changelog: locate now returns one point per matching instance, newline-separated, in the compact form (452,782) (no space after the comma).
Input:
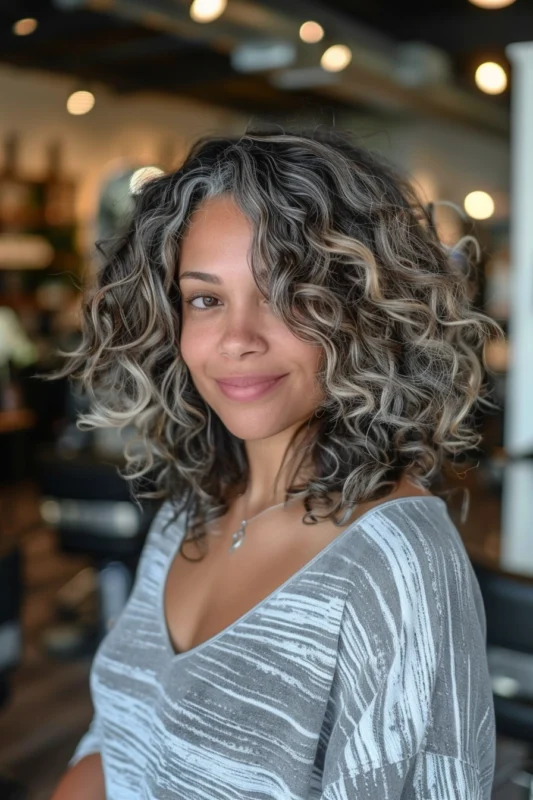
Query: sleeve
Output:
(90,742)
(424,776)
(411,709)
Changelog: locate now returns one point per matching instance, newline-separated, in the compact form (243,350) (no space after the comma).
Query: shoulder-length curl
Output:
(349,259)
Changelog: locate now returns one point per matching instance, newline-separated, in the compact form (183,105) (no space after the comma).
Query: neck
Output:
(270,469)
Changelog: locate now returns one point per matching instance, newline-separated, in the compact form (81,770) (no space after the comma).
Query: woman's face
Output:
(231,330)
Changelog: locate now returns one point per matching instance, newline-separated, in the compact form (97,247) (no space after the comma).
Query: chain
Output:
(238,537)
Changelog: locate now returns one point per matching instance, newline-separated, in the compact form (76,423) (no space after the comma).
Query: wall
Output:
(446,160)
(140,127)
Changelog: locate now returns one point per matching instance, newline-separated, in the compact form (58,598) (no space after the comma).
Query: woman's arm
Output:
(83,781)
(84,777)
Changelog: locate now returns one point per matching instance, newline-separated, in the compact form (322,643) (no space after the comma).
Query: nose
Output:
(243,331)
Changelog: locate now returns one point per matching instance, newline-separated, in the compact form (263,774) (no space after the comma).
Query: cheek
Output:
(306,359)
(311,356)
(191,349)
(315,356)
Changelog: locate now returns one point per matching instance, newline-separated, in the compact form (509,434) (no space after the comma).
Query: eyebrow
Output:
(208,277)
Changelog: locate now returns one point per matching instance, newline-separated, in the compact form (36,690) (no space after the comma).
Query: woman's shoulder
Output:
(163,532)
(409,560)
(411,533)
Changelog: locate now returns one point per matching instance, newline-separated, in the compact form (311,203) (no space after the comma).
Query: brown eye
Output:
(201,297)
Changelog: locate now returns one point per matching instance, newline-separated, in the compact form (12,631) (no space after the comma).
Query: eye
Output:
(200,297)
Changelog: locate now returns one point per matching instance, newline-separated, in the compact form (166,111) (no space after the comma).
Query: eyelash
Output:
(195,297)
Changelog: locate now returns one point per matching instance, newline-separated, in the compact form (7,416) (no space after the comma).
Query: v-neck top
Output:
(363,676)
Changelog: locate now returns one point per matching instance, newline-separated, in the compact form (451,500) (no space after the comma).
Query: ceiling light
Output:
(141,176)
(24,26)
(492,3)
(479,205)
(336,58)
(207,10)
(491,78)
(311,32)
(80,102)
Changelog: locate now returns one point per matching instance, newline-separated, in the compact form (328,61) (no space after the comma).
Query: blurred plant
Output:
(15,345)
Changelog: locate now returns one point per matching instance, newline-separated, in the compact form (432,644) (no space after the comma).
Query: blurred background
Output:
(92,94)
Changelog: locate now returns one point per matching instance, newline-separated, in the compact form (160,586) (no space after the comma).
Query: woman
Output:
(299,356)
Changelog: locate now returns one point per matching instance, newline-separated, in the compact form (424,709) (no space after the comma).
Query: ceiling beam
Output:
(370,77)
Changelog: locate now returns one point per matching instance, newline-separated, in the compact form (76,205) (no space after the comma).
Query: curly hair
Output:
(349,259)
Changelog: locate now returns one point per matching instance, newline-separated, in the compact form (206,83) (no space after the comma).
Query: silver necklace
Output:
(238,537)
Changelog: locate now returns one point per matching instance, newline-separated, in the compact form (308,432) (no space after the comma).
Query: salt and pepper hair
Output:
(349,260)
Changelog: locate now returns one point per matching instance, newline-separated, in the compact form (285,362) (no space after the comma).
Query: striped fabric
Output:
(362,677)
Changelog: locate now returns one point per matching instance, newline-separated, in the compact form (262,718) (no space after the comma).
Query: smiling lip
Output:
(251,391)
(248,380)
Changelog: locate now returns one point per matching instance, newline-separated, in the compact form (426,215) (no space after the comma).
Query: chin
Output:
(253,430)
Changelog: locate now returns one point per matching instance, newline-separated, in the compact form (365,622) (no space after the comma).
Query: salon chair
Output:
(90,506)
(10,644)
(508,604)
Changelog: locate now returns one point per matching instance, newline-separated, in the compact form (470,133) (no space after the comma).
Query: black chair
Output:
(10,643)
(508,601)
(90,506)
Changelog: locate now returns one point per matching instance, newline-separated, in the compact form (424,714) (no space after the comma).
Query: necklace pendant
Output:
(238,537)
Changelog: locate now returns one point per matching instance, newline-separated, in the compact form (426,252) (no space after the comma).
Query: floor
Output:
(50,705)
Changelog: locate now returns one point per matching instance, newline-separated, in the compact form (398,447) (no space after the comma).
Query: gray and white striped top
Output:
(362,677)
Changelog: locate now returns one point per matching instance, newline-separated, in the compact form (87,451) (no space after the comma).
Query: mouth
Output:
(250,392)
